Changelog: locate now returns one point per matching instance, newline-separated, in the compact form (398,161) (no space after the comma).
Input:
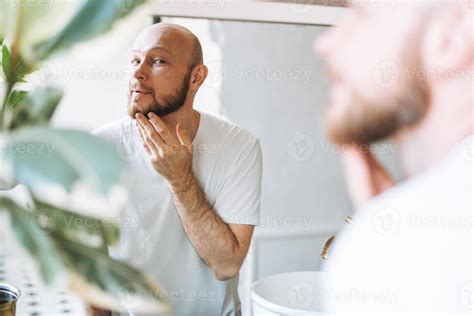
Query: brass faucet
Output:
(327,245)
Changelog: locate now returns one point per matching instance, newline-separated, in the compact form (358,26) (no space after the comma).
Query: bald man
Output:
(195,190)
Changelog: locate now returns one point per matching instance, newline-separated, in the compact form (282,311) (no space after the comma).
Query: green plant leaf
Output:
(34,239)
(42,156)
(6,60)
(97,278)
(18,71)
(37,108)
(96,233)
(122,288)
(16,97)
(91,19)
(2,26)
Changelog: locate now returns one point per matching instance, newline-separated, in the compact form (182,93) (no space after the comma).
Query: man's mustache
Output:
(140,87)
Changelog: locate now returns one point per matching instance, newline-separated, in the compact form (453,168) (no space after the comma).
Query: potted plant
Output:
(73,188)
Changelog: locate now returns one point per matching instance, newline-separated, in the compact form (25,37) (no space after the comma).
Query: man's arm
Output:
(222,246)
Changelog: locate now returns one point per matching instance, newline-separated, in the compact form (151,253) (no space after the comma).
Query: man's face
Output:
(161,73)
(370,57)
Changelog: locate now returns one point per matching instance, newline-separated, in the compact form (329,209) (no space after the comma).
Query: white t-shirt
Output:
(410,249)
(227,162)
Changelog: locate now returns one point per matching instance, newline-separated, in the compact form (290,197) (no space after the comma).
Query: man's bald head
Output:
(176,38)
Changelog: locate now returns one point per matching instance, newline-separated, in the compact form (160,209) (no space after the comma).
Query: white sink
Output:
(294,293)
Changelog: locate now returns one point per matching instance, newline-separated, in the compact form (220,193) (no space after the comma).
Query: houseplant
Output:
(73,179)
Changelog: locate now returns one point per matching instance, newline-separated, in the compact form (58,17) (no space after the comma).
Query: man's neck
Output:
(448,120)
(187,117)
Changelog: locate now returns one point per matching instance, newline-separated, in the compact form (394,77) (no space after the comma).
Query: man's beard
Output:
(363,122)
(172,102)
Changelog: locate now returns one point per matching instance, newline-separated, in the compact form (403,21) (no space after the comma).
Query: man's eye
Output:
(134,62)
(158,61)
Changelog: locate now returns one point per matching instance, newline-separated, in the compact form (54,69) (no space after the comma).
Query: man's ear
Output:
(198,76)
(449,41)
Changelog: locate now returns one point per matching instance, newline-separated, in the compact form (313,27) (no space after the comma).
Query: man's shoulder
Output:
(219,130)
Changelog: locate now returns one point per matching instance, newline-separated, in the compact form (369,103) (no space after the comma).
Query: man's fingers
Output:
(382,179)
(365,176)
(358,178)
(162,129)
(184,137)
(145,145)
(150,131)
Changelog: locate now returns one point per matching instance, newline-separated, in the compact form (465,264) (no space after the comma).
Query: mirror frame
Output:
(269,12)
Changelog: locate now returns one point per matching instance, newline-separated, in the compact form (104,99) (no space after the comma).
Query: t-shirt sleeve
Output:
(238,201)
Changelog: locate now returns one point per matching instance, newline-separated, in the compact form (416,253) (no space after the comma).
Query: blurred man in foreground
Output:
(404,71)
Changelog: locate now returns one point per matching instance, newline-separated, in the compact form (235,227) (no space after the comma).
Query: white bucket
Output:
(294,293)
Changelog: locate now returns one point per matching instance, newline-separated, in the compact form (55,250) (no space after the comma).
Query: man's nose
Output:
(139,72)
